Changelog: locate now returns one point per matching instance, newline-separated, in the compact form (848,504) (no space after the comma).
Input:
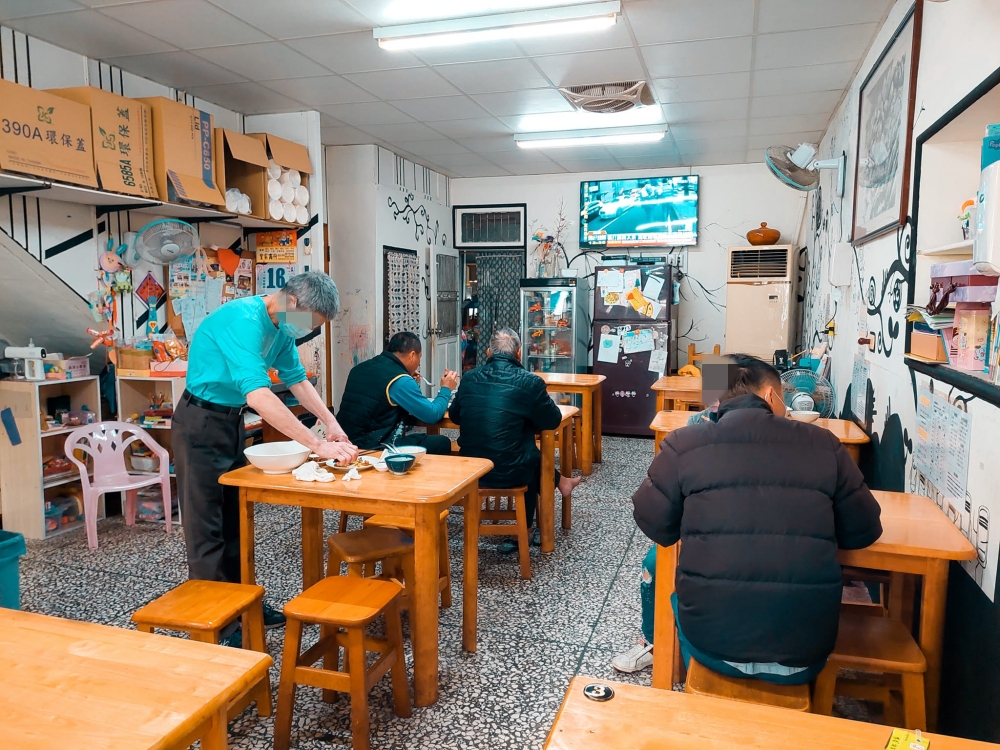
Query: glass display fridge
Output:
(555,325)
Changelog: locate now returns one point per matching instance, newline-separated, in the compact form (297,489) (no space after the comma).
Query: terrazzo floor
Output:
(579,609)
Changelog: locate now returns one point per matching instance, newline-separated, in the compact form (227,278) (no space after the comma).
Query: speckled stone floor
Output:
(579,609)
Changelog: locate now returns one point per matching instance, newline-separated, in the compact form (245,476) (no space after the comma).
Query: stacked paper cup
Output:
(237,202)
(289,198)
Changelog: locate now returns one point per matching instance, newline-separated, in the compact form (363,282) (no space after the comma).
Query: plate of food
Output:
(362,463)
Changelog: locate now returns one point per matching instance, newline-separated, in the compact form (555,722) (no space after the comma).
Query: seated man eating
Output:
(760,504)
(382,394)
(500,406)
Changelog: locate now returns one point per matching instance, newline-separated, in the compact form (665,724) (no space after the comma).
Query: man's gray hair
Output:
(316,292)
(505,341)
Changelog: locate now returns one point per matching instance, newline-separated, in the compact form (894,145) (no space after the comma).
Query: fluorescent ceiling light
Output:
(415,10)
(572,19)
(605,137)
(580,120)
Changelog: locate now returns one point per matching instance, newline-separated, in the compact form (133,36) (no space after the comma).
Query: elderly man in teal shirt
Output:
(228,364)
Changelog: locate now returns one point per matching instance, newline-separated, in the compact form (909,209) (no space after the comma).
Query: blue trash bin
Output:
(11,549)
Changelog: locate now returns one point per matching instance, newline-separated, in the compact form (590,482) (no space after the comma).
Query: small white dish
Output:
(804,416)
(417,451)
(277,458)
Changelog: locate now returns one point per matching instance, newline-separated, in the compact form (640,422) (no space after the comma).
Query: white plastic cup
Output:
(301,196)
(233,200)
(289,212)
(273,170)
(301,215)
(292,177)
(244,207)
(276,210)
(273,189)
(287,193)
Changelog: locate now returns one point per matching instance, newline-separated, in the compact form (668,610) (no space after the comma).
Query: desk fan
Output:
(160,243)
(804,390)
(797,167)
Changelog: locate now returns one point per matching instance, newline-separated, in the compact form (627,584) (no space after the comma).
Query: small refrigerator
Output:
(632,342)
(555,325)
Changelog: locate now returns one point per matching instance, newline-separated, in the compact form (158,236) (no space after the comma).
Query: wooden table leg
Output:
(547,493)
(854,451)
(587,416)
(932,609)
(664,631)
(216,735)
(598,411)
(470,570)
(312,546)
(578,441)
(424,604)
(659,401)
(566,468)
(433,429)
(247,568)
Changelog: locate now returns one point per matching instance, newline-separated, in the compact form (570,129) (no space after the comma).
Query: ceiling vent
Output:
(608,98)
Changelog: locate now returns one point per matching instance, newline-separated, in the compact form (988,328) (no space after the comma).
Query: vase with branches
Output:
(548,246)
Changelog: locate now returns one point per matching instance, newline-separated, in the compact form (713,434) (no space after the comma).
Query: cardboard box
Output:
(66,369)
(241,163)
(45,135)
(123,140)
(972,325)
(183,153)
(288,155)
(929,346)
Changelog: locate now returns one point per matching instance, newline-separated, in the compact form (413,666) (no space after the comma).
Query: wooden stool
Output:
(876,644)
(202,609)
(348,604)
(345,517)
(406,524)
(703,681)
(362,549)
(515,511)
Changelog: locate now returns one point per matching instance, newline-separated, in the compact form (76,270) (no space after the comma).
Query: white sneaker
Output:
(635,659)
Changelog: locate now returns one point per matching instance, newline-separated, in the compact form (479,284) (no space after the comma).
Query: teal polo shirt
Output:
(232,351)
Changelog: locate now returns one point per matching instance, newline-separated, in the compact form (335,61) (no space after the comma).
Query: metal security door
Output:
(444,331)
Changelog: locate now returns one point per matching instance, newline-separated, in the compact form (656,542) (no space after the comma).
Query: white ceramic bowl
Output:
(804,416)
(417,451)
(277,458)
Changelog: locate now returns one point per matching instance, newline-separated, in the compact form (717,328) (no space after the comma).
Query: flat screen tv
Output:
(643,212)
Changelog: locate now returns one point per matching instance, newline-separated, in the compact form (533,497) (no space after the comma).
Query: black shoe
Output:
(273,618)
(535,539)
(233,640)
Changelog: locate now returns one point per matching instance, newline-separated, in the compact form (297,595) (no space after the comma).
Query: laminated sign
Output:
(277,247)
(45,135)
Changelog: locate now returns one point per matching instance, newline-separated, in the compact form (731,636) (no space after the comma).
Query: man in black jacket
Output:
(761,504)
(500,406)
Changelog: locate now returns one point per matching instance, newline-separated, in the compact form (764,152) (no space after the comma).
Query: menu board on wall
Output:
(859,387)
(941,450)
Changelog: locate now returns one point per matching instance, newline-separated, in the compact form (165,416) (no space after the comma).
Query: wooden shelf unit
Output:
(23,487)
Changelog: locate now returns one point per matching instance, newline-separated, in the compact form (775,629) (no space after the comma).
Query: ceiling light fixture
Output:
(400,11)
(570,19)
(576,139)
(580,120)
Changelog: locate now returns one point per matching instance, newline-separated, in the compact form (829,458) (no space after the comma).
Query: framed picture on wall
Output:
(495,227)
(885,132)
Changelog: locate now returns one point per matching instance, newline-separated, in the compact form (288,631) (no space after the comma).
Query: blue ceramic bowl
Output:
(400,463)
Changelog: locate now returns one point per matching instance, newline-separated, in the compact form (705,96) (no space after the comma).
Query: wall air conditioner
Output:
(760,300)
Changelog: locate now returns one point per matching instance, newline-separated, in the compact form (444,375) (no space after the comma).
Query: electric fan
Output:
(163,241)
(797,168)
(804,390)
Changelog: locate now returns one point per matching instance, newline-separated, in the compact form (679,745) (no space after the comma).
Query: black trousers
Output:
(436,445)
(533,482)
(207,445)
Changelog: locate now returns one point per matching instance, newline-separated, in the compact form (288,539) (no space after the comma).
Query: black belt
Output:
(203,404)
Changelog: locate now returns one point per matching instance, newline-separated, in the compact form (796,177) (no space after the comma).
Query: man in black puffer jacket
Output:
(760,504)
(500,406)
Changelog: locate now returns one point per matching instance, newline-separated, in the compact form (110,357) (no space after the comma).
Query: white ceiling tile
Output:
(249,98)
(366,113)
(526,102)
(441,108)
(657,21)
(178,69)
(503,49)
(723,109)
(602,66)
(492,76)
(432,148)
(799,80)
(588,165)
(661,150)
(468,128)
(711,158)
(401,84)
(687,148)
(813,103)
(537,166)
(297,18)
(661,161)
(517,157)
(784,139)
(698,58)
(89,33)
(796,123)
(25,8)
(344,136)
(454,161)
(755,155)
(702,88)
(102,3)
(188,24)
(816,47)
(403,131)
(353,53)
(794,15)
(489,170)
(689,131)
(609,38)
(490,144)
(320,90)
(263,62)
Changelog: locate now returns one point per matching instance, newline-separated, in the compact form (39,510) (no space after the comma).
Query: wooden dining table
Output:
(70,684)
(917,539)
(588,387)
(641,717)
(676,389)
(433,485)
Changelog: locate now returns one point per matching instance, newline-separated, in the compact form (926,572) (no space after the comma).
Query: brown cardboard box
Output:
(927,346)
(286,154)
(45,135)
(123,140)
(241,162)
(183,153)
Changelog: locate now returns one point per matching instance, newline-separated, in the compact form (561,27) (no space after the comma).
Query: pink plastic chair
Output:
(106,444)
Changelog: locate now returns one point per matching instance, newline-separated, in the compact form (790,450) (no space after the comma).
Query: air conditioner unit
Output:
(760,300)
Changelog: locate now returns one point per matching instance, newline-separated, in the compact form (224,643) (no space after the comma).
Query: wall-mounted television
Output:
(642,212)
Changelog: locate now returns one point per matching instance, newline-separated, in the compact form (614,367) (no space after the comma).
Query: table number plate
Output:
(598,692)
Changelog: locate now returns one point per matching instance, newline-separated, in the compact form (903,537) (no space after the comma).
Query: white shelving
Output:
(959,248)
